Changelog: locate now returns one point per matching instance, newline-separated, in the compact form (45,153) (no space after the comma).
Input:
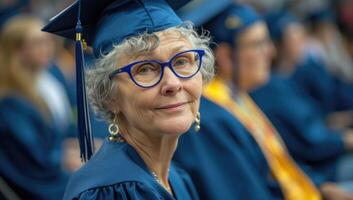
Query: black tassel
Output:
(84,127)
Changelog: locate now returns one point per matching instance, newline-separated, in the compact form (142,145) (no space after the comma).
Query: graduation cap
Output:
(101,24)
(8,12)
(195,11)
(234,20)
(225,19)
(277,22)
(321,15)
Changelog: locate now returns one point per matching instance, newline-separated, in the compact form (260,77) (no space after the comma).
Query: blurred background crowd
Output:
(315,54)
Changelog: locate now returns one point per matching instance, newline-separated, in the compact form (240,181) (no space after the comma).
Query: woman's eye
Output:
(146,68)
(181,62)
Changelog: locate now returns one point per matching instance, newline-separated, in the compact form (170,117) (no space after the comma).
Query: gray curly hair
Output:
(101,89)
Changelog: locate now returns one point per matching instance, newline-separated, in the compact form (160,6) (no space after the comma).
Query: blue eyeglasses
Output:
(149,73)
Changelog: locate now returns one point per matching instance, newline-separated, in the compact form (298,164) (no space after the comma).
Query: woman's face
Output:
(37,50)
(293,42)
(169,107)
(253,54)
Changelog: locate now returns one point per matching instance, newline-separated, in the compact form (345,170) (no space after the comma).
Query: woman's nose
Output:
(170,83)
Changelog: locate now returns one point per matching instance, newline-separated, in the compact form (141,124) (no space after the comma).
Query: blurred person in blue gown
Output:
(243,60)
(30,141)
(327,48)
(299,118)
(146,81)
(243,55)
(308,71)
(53,89)
(223,152)
(327,43)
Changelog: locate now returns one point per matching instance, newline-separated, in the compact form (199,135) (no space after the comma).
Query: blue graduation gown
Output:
(330,93)
(116,171)
(311,143)
(30,152)
(98,128)
(223,159)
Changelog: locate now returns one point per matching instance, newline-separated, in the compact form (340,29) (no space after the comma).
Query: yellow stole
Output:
(294,183)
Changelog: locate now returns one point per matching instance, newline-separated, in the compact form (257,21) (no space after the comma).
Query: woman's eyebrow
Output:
(178,48)
(154,56)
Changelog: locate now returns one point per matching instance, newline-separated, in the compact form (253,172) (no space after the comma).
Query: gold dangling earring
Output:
(198,122)
(113,129)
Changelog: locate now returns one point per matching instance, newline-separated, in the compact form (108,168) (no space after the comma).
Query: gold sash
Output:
(293,181)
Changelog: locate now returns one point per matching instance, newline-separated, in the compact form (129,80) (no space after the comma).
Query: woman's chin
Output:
(176,128)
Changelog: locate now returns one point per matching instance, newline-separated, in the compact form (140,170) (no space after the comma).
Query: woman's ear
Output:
(223,52)
(114,100)
(113,106)
(224,59)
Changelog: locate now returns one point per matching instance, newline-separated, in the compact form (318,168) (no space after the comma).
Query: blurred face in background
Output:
(25,51)
(37,49)
(293,41)
(326,32)
(253,57)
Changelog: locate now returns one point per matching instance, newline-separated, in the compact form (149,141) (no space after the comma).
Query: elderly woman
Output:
(147,83)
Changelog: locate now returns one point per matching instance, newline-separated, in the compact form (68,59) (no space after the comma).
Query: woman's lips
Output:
(173,107)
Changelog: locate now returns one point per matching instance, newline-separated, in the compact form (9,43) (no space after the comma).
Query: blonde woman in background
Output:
(30,145)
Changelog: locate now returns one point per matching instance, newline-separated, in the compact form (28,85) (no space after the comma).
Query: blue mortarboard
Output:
(8,12)
(320,15)
(225,24)
(201,11)
(277,22)
(104,23)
